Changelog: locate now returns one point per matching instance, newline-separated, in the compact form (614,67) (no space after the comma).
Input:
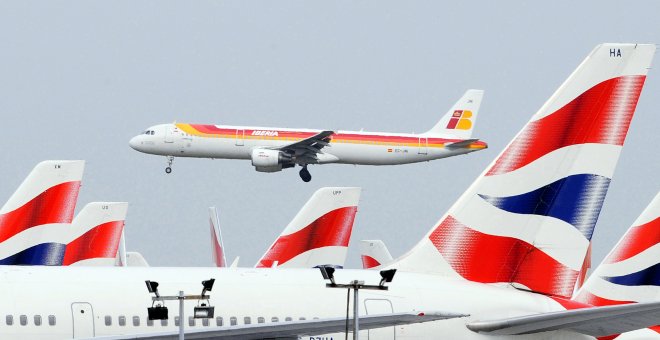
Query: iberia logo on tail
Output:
(460,120)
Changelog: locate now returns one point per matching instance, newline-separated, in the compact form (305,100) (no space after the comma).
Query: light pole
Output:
(159,312)
(328,274)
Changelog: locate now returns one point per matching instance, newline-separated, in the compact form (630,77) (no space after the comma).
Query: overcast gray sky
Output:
(78,79)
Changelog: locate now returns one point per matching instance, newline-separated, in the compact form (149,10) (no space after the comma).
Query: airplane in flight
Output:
(318,235)
(501,263)
(374,254)
(274,149)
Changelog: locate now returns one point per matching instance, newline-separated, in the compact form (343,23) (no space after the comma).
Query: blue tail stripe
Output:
(45,254)
(645,277)
(576,199)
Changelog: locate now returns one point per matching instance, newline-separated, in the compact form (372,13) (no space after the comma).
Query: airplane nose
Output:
(135,143)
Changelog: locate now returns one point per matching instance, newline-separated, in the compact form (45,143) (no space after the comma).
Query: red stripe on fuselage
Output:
(369,262)
(101,241)
(488,258)
(636,240)
(55,205)
(332,229)
(599,115)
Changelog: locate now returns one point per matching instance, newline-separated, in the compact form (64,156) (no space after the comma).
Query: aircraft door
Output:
(240,137)
(423,146)
(83,320)
(169,134)
(379,306)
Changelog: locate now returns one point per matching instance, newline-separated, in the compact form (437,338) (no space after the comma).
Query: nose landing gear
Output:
(305,175)
(168,169)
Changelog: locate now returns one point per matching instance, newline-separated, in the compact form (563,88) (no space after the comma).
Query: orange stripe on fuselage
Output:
(212,131)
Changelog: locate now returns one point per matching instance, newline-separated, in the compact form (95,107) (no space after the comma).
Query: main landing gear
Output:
(168,169)
(304,174)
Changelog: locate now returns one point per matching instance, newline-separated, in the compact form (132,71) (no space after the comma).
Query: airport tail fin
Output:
(460,120)
(218,247)
(319,233)
(47,195)
(374,253)
(631,271)
(97,232)
(528,219)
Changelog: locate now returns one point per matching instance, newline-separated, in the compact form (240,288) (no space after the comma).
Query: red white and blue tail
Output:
(374,254)
(319,234)
(216,239)
(528,219)
(631,271)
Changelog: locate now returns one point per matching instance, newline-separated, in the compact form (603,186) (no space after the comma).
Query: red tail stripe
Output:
(487,258)
(55,205)
(599,115)
(369,262)
(332,229)
(100,242)
(636,240)
(595,300)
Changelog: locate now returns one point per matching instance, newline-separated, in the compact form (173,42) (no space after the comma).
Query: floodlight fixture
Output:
(208,285)
(386,276)
(328,273)
(204,312)
(152,287)
(157,313)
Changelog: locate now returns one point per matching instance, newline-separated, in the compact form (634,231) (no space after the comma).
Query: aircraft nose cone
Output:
(135,143)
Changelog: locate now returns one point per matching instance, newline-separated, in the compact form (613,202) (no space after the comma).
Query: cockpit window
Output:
(152,132)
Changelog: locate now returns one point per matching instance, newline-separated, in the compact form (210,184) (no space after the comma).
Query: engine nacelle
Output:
(267,160)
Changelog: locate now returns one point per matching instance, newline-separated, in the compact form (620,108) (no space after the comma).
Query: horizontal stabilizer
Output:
(461,144)
(295,329)
(596,321)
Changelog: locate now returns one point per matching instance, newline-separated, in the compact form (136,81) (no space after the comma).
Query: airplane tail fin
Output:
(97,232)
(135,259)
(631,271)
(528,219)
(216,239)
(459,121)
(319,233)
(47,195)
(374,253)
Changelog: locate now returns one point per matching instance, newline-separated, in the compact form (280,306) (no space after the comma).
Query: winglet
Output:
(216,239)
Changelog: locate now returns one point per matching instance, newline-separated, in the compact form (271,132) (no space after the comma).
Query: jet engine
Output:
(268,160)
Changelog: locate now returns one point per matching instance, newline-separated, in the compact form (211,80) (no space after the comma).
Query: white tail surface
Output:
(217,246)
(631,271)
(319,233)
(374,254)
(460,120)
(135,259)
(527,220)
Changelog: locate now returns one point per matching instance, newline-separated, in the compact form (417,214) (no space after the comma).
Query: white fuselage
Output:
(347,147)
(92,301)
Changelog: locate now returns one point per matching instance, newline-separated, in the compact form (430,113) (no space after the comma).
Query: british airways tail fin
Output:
(319,233)
(460,120)
(631,271)
(374,253)
(527,220)
(96,234)
(47,195)
(217,246)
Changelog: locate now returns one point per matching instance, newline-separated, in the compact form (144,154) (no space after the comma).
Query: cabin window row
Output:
(219,321)
(23,320)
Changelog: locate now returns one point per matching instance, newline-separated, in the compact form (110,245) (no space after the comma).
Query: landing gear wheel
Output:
(305,175)
(170,159)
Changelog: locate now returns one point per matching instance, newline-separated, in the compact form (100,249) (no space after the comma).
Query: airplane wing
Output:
(596,321)
(294,329)
(308,147)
